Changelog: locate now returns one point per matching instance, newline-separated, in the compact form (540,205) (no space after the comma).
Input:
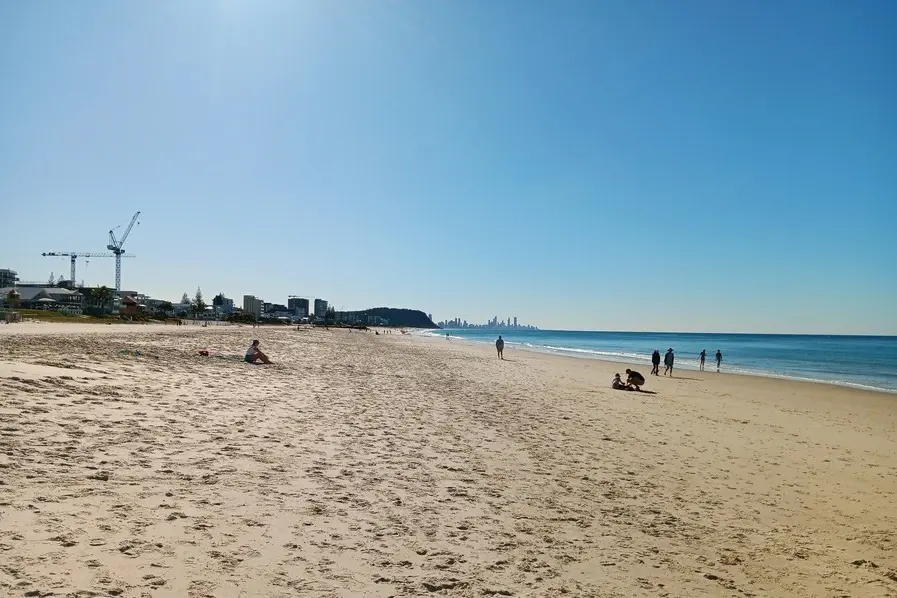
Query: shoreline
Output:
(707,376)
(578,354)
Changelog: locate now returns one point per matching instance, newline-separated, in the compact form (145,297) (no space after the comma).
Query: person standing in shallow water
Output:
(703,358)
(719,359)
(500,347)
(655,361)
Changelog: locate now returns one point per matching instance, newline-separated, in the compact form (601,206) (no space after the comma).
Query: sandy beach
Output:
(398,465)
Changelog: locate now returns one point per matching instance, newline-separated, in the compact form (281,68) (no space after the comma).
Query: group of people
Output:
(668,360)
(703,357)
(635,380)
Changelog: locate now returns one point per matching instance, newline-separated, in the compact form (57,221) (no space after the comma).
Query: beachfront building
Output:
(360,318)
(298,306)
(320,308)
(129,306)
(278,311)
(252,305)
(44,297)
(155,304)
(8,278)
(227,306)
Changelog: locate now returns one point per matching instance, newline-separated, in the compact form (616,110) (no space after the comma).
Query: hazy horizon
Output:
(705,332)
(583,166)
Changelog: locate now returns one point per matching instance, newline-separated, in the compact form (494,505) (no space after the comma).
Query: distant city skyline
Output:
(494,323)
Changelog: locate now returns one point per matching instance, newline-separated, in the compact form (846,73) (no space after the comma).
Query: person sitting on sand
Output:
(617,384)
(634,379)
(254,354)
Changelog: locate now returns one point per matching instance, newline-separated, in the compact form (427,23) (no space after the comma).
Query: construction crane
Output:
(74,255)
(115,246)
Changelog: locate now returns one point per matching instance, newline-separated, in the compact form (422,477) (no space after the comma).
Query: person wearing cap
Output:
(254,354)
(668,362)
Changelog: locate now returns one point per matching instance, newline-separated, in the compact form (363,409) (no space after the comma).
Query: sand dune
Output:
(363,465)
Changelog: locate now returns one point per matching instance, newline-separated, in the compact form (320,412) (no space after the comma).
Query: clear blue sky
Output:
(626,164)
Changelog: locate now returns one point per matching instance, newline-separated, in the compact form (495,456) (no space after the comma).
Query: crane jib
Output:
(115,246)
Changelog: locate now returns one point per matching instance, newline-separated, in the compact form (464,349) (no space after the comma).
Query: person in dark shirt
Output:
(500,347)
(719,359)
(703,358)
(634,379)
(668,362)
(655,362)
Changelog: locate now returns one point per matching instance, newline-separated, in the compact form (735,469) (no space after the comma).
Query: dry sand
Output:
(365,465)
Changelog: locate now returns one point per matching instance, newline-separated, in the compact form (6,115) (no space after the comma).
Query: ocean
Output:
(868,362)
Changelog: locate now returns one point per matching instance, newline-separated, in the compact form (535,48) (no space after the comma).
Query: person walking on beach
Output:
(719,359)
(655,362)
(668,362)
(500,347)
(703,358)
